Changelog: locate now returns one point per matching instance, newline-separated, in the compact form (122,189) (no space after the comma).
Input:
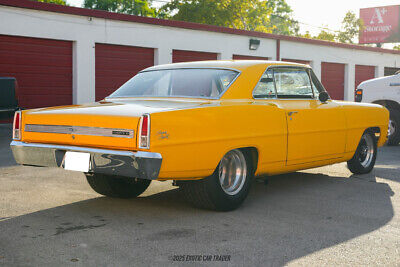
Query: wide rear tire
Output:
(116,186)
(226,188)
(364,158)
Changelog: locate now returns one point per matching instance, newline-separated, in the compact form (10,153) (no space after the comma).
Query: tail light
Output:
(17,126)
(144,132)
(359,94)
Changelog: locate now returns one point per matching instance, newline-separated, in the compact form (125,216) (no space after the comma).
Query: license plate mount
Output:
(77,161)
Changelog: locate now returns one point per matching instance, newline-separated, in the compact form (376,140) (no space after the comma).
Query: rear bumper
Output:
(140,164)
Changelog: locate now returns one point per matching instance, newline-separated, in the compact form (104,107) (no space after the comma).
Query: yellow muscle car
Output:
(210,126)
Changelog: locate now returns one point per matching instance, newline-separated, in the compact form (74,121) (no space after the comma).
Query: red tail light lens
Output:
(145,125)
(144,138)
(17,126)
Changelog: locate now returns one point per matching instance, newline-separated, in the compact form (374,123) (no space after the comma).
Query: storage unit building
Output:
(66,55)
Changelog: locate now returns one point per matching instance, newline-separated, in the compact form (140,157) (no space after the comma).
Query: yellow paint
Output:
(201,131)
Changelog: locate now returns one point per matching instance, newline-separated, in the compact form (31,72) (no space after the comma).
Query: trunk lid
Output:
(104,124)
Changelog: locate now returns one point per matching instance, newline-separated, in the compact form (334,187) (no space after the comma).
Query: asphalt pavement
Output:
(323,216)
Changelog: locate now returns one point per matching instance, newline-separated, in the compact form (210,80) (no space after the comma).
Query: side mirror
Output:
(323,97)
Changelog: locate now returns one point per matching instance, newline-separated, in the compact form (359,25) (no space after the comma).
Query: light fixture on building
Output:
(254,44)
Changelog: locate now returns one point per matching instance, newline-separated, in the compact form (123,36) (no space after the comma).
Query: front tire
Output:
(394,127)
(116,186)
(364,158)
(226,188)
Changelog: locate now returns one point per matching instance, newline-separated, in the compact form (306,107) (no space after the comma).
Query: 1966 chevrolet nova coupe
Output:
(209,126)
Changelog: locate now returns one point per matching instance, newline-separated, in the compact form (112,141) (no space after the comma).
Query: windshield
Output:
(203,83)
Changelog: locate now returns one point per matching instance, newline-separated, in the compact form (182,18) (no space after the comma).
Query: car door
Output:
(316,131)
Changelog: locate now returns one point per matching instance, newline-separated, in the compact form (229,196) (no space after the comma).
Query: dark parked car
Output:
(8,99)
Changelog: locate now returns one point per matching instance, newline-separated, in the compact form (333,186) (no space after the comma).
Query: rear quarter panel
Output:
(193,141)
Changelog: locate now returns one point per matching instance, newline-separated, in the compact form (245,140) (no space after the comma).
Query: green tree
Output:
(133,7)
(281,19)
(325,35)
(306,35)
(396,47)
(351,27)
(58,2)
(239,14)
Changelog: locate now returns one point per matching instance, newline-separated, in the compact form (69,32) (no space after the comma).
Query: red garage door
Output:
(249,57)
(332,77)
(42,67)
(296,61)
(186,56)
(363,73)
(116,64)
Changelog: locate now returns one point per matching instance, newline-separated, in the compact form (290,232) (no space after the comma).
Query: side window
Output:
(292,83)
(265,87)
(317,86)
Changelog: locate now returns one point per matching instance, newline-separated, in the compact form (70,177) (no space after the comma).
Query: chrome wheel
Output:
(392,128)
(232,172)
(367,148)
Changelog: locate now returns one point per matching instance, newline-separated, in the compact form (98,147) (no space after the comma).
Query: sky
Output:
(314,14)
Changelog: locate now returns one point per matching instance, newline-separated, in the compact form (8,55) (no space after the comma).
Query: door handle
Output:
(290,113)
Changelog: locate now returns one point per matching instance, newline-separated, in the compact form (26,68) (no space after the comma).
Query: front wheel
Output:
(226,188)
(364,158)
(394,127)
(116,186)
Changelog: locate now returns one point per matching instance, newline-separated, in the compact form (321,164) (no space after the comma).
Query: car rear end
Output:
(98,142)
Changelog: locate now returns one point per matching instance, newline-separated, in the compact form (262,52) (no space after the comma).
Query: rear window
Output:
(197,83)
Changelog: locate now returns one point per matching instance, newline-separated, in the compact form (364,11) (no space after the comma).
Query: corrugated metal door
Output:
(186,56)
(363,73)
(249,57)
(42,68)
(116,64)
(332,77)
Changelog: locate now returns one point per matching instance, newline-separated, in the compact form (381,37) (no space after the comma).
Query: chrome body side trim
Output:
(140,164)
(80,130)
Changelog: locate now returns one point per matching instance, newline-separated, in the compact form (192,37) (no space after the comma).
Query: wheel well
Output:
(376,131)
(388,104)
(253,152)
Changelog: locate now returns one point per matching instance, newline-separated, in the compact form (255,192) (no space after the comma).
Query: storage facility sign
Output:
(381,25)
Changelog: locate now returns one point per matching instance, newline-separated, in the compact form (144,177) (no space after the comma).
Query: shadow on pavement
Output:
(291,217)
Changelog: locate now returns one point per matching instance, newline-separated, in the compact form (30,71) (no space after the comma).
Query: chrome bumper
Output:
(140,164)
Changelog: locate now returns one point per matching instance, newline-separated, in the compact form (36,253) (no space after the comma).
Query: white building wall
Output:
(85,32)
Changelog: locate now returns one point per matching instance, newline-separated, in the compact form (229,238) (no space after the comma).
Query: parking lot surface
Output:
(323,216)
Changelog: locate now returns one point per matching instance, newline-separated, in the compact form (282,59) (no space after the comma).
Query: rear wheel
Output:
(394,127)
(364,158)
(116,186)
(226,188)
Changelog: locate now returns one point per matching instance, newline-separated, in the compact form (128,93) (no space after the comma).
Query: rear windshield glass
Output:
(203,83)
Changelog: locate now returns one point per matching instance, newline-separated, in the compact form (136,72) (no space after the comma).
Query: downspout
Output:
(278,50)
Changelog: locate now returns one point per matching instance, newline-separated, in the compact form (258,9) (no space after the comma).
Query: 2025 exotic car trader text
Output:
(210,126)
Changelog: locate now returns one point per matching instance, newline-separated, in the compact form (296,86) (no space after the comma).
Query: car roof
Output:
(240,65)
